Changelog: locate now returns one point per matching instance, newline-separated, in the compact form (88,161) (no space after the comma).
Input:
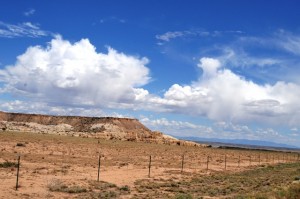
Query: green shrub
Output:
(125,188)
(8,164)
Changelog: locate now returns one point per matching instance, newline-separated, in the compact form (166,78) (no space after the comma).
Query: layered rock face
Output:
(96,127)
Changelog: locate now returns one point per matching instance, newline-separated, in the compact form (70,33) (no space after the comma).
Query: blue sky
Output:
(223,69)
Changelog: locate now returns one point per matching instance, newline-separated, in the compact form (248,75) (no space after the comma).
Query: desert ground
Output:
(53,166)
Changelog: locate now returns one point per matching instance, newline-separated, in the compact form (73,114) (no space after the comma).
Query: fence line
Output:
(185,162)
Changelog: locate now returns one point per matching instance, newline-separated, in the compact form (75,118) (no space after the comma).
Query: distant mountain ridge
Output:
(245,142)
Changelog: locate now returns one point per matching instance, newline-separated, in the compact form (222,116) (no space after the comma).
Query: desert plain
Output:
(56,166)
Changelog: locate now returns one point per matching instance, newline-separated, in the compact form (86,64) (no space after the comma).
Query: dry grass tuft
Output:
(58,186)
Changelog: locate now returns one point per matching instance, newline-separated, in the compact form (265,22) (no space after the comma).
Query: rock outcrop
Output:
(96,127)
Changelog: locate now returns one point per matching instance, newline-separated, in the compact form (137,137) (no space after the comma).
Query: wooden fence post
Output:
(250,161)
(182,162)
(258,159)
(207,163)
(239,161)
(18,169)
(225,162)
(99,165)
(149,167)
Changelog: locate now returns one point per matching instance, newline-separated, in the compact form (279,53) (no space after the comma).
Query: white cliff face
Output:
(35,127)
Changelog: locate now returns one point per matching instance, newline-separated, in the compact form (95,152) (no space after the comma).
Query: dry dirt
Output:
(73,161)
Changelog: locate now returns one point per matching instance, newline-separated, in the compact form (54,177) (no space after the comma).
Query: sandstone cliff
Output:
(96,127)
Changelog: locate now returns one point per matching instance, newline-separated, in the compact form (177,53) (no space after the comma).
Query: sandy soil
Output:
(46,159)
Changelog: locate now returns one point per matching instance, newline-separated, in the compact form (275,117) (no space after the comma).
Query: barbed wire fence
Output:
(57,162)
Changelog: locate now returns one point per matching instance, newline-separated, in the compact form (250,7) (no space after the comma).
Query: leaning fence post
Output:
(239,161)
(182,162)
(258,159)
(250,161)
(18,169)
(99,164)
(149,167)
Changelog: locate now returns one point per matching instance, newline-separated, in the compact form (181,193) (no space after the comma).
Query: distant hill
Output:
(110,128)
(240,142)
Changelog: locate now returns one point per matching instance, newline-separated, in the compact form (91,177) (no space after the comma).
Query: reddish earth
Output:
(51,161)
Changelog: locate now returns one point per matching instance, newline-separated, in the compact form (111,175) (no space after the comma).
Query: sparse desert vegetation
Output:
(54,166)
(8,164)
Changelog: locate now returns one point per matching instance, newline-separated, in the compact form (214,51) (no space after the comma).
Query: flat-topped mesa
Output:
(79,123)
(97,127)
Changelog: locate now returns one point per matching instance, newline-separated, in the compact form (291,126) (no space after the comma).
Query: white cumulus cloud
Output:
(222,95)
(75,74)
(209,66)
(177,128)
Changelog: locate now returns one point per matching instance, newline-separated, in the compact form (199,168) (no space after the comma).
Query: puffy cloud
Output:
(75,74)
(209,66)
(235,131)
(177,128)
(222,130)
(19,106)
(222,95)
